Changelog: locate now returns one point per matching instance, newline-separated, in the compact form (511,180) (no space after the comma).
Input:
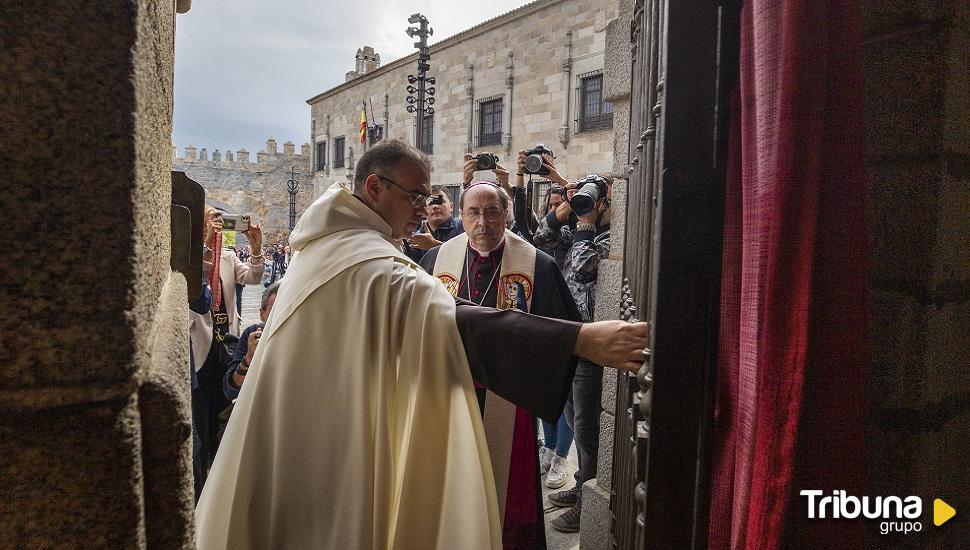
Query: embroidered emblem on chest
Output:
(450,282)
(515,290)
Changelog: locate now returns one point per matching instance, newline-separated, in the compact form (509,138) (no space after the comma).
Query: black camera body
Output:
(486,161)
(436,199)
(591,189)
(533,160)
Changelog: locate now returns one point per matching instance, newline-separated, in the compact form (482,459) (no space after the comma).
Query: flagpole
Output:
(363,125)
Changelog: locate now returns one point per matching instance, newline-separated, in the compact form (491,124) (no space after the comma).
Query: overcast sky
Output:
(244,69)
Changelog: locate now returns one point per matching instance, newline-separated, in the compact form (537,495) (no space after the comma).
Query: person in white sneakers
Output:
(558,438)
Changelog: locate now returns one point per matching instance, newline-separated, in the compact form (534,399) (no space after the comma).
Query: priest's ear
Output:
(372,188)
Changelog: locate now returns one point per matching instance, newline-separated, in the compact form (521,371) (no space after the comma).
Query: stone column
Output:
(329,146)
(470,94)
(350,164)
(917,75)
(94,398)
(567,89)
(387,116)
(509,82)
(597,517)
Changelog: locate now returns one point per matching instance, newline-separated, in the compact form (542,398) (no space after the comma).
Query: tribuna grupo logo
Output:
(898,513)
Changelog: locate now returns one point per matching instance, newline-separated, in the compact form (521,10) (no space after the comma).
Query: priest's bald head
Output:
(393,179)
(484,208)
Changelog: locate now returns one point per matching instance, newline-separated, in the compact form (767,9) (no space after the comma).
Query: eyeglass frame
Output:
(474,216)
(417,199)
(487,217)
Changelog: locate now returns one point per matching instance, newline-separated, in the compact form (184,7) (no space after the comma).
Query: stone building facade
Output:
(238,185)
(528,71)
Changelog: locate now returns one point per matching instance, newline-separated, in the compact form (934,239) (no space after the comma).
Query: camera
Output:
(533,160)
(486,161)
(235,222)
(591,189)
(436,199)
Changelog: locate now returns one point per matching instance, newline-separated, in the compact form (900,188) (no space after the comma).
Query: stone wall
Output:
(473,66)
(258,188)
(94,394)
(918,109)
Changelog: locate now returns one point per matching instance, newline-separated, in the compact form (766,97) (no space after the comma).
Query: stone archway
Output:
(94,395)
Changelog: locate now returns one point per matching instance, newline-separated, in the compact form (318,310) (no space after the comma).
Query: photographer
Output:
(437,228)
(555,195)
(214,333)
(246,349)
(481,162)
(590,200)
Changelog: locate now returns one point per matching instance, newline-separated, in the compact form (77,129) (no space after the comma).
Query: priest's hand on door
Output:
(615,344)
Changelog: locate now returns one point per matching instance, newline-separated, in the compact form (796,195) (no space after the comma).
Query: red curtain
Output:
(792,376)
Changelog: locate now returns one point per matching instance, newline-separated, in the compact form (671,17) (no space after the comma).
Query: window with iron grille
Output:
(490,122)
(375,133)
(595,114)
(427,143)
(322,155)
(338,152)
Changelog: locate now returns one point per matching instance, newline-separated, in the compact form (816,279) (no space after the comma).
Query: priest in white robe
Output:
(358,426)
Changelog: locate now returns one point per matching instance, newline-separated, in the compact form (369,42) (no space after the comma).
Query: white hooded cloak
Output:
(357,426)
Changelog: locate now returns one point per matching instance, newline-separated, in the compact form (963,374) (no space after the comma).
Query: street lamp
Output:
(420,105)
(293,187)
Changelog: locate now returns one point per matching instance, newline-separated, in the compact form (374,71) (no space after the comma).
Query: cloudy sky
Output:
(244,69)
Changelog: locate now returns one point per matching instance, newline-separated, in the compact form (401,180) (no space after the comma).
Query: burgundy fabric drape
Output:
(792,375)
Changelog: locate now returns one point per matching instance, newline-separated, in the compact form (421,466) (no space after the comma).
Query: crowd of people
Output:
(495,252)
(220,351)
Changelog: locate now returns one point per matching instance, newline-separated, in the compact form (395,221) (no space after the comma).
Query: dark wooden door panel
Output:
(684,66)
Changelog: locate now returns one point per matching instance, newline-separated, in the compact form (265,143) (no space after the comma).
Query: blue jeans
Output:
(558,437)
(239,292)
(583,414)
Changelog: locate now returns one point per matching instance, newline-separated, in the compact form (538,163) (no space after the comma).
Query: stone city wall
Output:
(234,182)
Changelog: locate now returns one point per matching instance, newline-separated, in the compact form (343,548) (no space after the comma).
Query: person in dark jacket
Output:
(437,228)
(246,348)
(590,243)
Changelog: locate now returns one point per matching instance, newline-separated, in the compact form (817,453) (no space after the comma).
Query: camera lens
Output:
(533,164)
(486,161)
(585,199)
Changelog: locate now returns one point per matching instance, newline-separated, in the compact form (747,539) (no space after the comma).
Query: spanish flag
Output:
(363,125)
